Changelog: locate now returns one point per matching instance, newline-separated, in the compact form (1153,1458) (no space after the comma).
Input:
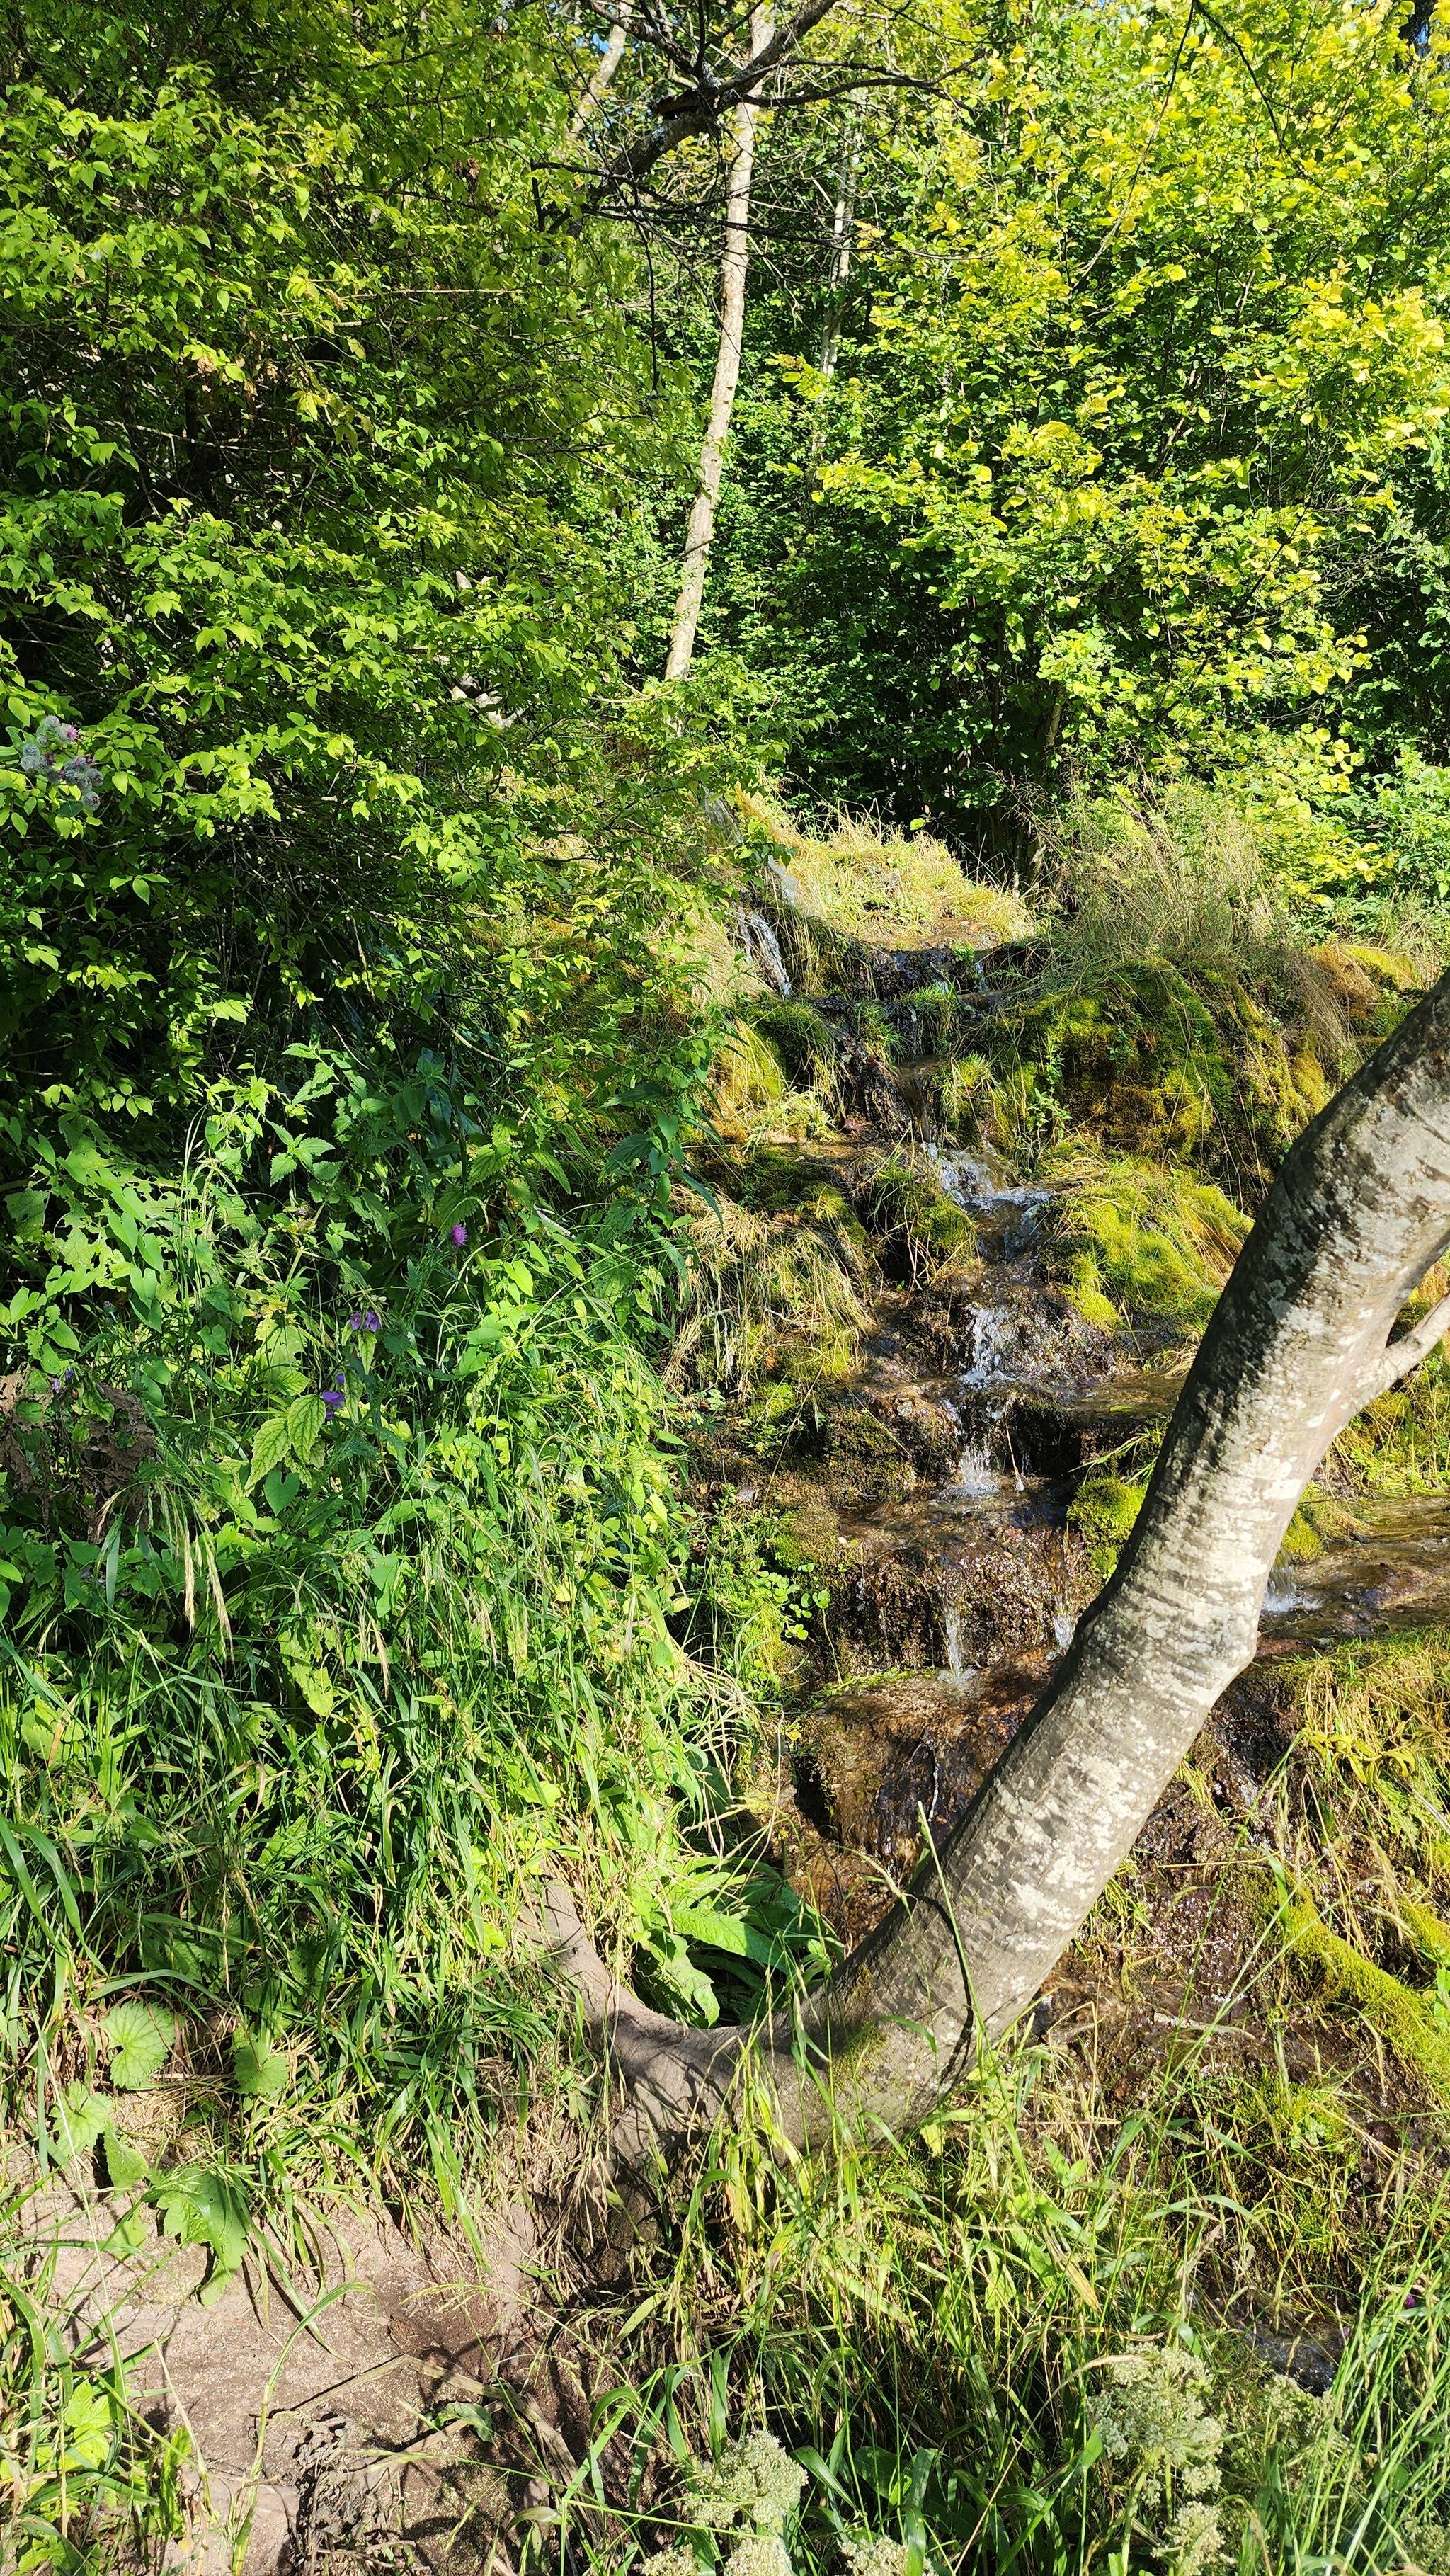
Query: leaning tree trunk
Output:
(727,369)
(1308,1330)
(603,72)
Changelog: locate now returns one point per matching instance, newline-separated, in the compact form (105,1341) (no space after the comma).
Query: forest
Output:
(724,1434)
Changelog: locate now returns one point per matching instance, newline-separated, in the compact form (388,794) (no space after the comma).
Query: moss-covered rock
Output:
(802,1042)
(867,1463)
(922,1227)
(1140,1239)
(1103,1512)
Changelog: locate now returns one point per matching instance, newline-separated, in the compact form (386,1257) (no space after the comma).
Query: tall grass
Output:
(1189,878)
(286,1745)
(1027,2342)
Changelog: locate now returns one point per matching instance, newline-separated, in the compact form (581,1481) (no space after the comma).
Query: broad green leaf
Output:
(141,2037)
(81,2117)
(272,1446)
(306,1419)
(262,2070)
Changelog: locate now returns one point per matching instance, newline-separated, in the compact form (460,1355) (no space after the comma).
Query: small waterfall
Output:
(975,1473)
(761,946)
(992,1337)
(953,1633)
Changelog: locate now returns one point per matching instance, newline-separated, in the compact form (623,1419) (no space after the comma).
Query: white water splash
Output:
(994,1344)
(763,950)
(975,1474)
(1282,1595)
(953,1630)
(1064,1630)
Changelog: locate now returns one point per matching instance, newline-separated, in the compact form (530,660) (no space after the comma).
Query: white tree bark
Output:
(1306,1333)
(843,224)
(603,72)
(733,266)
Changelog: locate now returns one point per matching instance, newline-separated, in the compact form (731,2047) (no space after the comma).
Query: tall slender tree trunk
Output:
(1308,1330)
(733,266)
(843,224)
(604,70)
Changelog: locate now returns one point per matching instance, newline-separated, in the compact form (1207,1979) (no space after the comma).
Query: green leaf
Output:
(126,2167)
(128,2235)
(200,2205)
(271,1447)
(81,2118)
(305,1421)
(682,1982)
(141,2037)
(261,2069)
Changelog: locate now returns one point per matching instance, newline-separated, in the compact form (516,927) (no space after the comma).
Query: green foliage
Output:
(1126,457)
(82,2468)
(1005,2345)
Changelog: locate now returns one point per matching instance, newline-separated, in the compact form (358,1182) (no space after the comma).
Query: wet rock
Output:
(869,1463)
(888,1754)
(1393,1572)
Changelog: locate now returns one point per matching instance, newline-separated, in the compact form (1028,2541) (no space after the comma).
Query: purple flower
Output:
(372,1323)
(354,1323)
(460,1235)
(333,1396)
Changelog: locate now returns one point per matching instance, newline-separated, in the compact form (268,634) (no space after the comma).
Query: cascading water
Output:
(760,945)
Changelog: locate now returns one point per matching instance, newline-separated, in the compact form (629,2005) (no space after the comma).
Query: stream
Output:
(953,1592)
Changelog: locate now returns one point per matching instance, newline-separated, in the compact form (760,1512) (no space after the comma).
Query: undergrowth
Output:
(1031,2338)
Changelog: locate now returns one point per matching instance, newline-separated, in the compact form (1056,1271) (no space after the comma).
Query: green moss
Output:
(806,1541)
(867,1464)
(1103,1511)
(1085,1288)
(1389,2006)
(776,1179)
(1319,1520)
(799,1038)
(902,1201)
(1142,1238)
(1429,1934)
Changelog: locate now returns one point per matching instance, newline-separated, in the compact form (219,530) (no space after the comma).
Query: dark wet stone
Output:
(886,1754)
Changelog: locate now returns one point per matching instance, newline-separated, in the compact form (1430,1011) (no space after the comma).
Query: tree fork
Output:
(1308,1331)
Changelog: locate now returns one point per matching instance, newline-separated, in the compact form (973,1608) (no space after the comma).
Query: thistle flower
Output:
(460,1235)
(75,775)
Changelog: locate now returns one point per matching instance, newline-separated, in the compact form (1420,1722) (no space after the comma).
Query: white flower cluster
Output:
(1426,2547)
(672,2562)
(1153,2420)
(874,2556)
(753,2476)
(1195,2540)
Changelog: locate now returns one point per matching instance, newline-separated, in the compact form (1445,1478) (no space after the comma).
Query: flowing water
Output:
(954,1597)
